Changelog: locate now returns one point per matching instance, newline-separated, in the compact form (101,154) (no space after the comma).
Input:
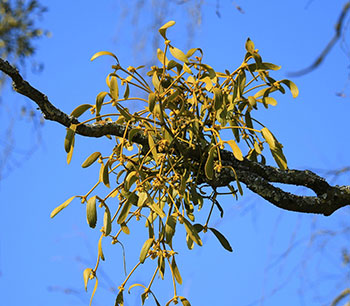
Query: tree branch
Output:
(257,177)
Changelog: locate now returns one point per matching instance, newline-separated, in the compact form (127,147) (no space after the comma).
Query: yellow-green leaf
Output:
(143,196)
(86,276)
(269,100)
(293,88)
(98,54)
(69,137)
(224,242)
(152,147)
(176,271)
(191,231)
(155,81)
(107,223)
(93,292)
(270,139)
(125,228)
(218,99)
(124,212)
(170,227)
(145,248)
(99,101)
(209,165)
(113,88)
(130,179)
(275,148)
(178,54)
(187,69)
(184,301)
(161,57)
(249,46)
(70,153)
(104,174)
(163,28)
(154,206)
(235,149)
(132,133)
(100,252)
(91,159)
(62,206)
(151,101)
(91,212)
(81,109)
(126,92)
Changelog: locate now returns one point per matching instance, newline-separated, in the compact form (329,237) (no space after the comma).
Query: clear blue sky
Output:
(42,259)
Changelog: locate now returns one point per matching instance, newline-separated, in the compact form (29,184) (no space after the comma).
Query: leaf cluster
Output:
(189,113)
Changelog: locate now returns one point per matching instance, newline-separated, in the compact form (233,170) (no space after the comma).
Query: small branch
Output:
(257,177)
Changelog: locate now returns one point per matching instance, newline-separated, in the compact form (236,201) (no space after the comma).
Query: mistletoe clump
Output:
(169,151)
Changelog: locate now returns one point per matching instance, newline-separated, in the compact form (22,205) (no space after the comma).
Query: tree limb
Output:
(257,177)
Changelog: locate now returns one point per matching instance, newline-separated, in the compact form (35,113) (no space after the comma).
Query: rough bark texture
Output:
(255,176)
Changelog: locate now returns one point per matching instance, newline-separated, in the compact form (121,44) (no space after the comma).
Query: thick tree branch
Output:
(257,177)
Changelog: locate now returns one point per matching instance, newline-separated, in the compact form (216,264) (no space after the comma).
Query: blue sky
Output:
(274,260)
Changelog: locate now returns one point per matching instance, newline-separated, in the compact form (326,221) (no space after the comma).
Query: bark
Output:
(257,177)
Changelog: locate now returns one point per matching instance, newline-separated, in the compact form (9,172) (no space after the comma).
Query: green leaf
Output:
(293,88)
(235,149)
(107,223)
(249,46)
(81,109)
(178,54)
(98,54)
(91,213)
(62,206)
(176,271)
(145,248)
(86,275)
(99,101)
(91,159)
(209,165)
(191,231)
(224,242)
(163,28)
